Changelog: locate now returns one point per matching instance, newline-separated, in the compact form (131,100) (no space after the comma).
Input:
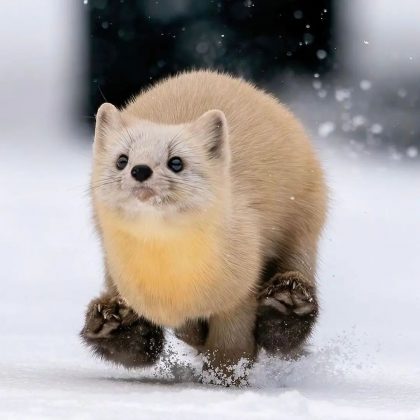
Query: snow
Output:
(342,94)
(326,128)
(376,128)
(321,54)
(365,84)
(412,152)
(364,359)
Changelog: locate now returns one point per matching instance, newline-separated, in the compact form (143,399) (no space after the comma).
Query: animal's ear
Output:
(107,118)
(212,127)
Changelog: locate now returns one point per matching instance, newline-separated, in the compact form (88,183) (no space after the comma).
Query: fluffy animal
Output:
(209,202)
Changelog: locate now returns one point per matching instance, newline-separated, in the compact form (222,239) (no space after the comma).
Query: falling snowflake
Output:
(326,128)
(365,85)
(412,152)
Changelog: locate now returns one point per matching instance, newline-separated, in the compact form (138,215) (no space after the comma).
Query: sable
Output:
(217,236)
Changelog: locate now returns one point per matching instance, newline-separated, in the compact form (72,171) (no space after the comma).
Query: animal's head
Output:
(143,167)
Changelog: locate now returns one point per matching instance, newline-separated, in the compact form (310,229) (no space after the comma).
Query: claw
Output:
(304,309)
(274,303)
(99,307)
(284,297)
(289,296)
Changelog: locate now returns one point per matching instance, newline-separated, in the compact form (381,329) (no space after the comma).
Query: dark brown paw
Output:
(287,311)
(116,333)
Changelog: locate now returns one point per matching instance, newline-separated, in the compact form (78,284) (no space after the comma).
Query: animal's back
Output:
(274,169)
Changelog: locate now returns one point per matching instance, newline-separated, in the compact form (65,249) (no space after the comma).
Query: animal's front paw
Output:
(289,293)
(105,315)
(287,311)
(116,333)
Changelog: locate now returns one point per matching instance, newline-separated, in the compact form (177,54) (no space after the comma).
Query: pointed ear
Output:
(213,128)
(107,118)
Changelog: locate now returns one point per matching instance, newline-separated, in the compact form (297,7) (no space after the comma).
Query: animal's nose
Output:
(141,172)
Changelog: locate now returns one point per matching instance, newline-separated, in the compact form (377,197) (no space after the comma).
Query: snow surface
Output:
(364,361)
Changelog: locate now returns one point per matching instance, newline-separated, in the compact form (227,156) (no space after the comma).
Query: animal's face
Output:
(140,166)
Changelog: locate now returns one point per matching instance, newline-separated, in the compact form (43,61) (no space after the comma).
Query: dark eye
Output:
(122,162)
(175,164)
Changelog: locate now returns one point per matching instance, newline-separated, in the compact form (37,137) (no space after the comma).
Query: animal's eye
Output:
(175,164)
(122,162)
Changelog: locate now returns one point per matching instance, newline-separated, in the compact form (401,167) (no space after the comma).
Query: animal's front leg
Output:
(287,312)
(230,348)
(116,333)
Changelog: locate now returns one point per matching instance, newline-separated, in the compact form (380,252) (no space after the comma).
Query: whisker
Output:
(102,94)
(174,140)
(128,143)
(182,183)
(128,133)
(104,182)
(99,185)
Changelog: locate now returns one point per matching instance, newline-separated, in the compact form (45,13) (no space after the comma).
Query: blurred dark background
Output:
(331,61)
(135,42)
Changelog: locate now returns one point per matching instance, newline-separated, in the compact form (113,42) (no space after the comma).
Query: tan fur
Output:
(268,204)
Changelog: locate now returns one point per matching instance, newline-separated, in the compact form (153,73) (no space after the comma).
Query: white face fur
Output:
(141,167)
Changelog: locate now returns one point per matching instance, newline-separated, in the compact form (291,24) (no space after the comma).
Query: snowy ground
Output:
(365,355)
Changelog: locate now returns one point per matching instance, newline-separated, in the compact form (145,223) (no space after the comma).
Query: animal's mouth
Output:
(144,193)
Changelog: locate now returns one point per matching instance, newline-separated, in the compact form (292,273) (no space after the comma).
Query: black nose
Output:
(141,172)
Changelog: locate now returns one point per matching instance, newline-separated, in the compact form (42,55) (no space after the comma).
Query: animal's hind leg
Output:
(193,333)
(288,305)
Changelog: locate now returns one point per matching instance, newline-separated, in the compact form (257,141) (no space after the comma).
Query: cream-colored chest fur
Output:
(167,277)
